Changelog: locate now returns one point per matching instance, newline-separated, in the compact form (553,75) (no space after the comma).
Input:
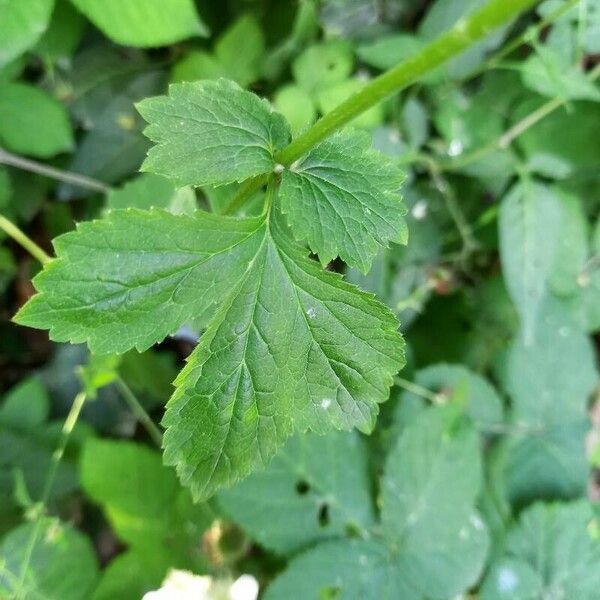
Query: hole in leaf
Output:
(302,488)
(324,515)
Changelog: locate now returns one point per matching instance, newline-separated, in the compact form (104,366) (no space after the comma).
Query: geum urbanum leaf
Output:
(342,199)
(211,133)
(290,346)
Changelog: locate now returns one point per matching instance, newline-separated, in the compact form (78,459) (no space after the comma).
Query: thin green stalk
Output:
(65,435)
(508,137)
(139,411)
(529,34)
(463,34)
(13,160)
(417,389)
(23,240)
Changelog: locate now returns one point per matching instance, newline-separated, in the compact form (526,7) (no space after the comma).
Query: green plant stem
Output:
(13,160)
(138,410)
(65,436)
(416,389)
(530,33)
(508,137)
(463,34)
(23,240)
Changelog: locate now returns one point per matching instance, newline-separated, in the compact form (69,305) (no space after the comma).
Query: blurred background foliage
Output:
(493,424)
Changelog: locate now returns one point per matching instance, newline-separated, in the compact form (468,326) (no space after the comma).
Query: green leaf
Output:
(114,146)
(342,198)
(133,278)
(551,552)
(387,51)
(329,97)
(529,223)
(549,404)
(439,451)
(317,487)
(64,33)
(151,507)
(550,152)
(241,49)
(550,75)
(296,106)
(133,573)
(148,190)
(26,406)
(291,347)
(144,23)
(211,133)
(323,65)
(23,22)
(62,566)
(432,544)
(33,122)
(343,570)
(572,249)
(481,401)
(238,54)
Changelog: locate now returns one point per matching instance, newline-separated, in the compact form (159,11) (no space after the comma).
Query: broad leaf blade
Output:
(439,451)
(348,570)
(552,551)
(131,279)
(316,487)
(62,564)
(529,224)
(342,198)
(211,133)
(23,22)
(291,347)
(144,23)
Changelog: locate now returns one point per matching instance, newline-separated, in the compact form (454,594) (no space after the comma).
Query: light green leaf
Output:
(62,566)
(387,51)
(432,544)
(439,451)
(133,573)
(133,278)
(317,487)
(548,460)
(64,33)
(529,222)
(550,75)
(296,106)
(241,49)
(342,198)
(144,23)
(197,64)
(343,570)
(323,65)
(26,406)
(33,122)
(23,22)
(551,553)
(329,97)
(141,498)
(572,249)
(539,378)
(211,133)
(291,347)
(481,401)
(148,190)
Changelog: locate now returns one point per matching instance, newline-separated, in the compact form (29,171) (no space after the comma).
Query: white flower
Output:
(183,585)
